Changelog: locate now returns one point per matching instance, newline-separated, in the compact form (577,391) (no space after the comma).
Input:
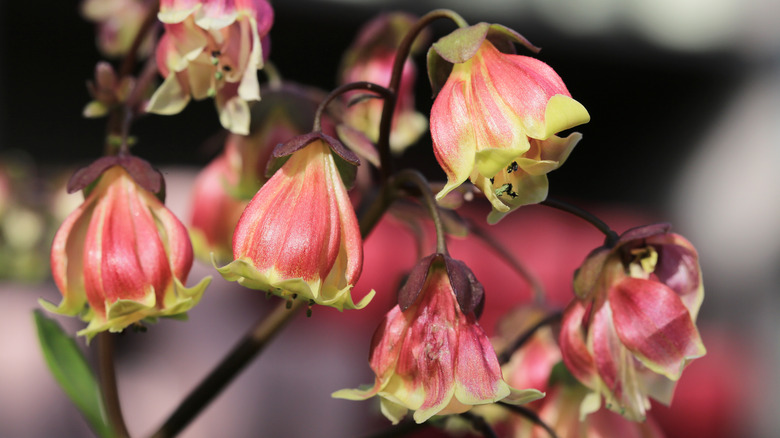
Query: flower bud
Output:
(431,356)
(632,328)
(299,236)
(124,255)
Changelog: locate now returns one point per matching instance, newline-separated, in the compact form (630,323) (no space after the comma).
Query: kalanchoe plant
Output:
(632,328)
(495,118)
(122,258)
(122,253)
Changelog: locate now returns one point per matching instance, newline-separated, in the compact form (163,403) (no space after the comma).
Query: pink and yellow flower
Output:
(632,328)
(212,49)
(495,119)
(371,58)
(431,356)
(299,236)
(124,255)
(118,22)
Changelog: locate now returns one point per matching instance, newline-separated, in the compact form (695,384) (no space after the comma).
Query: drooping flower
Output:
(212,49)
(495,118)
(299,236)
(632,328)
(118,22)
(121,253)
(429,353)
(370,58)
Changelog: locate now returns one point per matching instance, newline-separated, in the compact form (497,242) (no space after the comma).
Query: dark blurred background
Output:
(684,97)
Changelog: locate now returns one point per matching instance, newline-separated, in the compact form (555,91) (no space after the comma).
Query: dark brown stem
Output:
(363,85)
(108,385)
(479,423)
(506,355)
(530,415)
(611,236)
(386,122)
(258,337)
(489,239)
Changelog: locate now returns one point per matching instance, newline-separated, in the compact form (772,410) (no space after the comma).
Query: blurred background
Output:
(684,97)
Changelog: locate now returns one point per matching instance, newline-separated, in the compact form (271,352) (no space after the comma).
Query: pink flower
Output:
(215,212)
(212,49)
(495,119)
(370,58)
(118,22)
(431,356)
(632,328)
(299,236)
(122,253)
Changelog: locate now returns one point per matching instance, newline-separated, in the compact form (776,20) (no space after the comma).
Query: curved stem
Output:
(537,289)
(506,355)
(479,423)
(388,110)
(108,384)
(253,343)
(362,85)
(416,178)
(530,415)
(611,236)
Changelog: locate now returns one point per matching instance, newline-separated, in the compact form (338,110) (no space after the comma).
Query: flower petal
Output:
(653,323)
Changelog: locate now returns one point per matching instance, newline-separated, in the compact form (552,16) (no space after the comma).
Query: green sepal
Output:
(71,370)
(463,43)
(347,171)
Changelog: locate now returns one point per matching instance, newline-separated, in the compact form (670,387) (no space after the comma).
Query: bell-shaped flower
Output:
(299,237)
(212,49)
(632,328)
(429,353)
(371,58)
(495,118)
(122,252)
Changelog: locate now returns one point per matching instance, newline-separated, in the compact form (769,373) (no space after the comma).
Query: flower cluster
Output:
(122,258)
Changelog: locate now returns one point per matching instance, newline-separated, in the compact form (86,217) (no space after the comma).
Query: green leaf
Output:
(72,372)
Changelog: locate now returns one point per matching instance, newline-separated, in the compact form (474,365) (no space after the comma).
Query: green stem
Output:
(258,337)
(506,355)
(388,110)
(611,236)
(108,385)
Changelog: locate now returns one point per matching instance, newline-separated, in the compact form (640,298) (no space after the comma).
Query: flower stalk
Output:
(254,342)
(611,237)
